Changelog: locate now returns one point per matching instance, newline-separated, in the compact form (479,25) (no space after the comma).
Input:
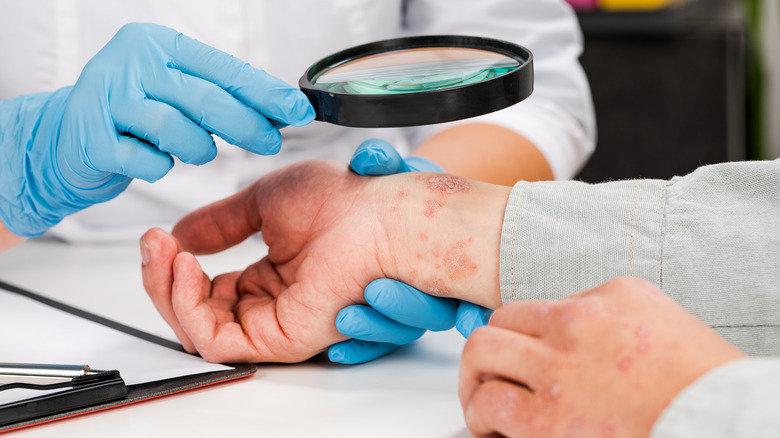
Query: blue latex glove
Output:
(397,313)
(150,94)
(375,157)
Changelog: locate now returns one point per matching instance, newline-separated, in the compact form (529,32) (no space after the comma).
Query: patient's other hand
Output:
(600,363)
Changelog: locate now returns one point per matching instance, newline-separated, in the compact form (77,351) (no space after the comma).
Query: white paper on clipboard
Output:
(34,332)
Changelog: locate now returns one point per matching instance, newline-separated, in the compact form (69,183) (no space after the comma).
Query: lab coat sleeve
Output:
(711,240)
(558,118)
(738,399)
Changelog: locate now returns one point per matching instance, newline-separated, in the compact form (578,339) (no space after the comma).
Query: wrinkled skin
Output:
(320,222)
(602,363)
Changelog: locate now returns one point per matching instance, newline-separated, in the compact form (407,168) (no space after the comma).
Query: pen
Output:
(40,374)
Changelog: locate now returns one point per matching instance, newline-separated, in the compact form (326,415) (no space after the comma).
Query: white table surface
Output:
(411,393)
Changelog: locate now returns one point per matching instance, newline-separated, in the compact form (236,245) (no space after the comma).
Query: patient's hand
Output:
(320,223)
(603,362)
(330,233)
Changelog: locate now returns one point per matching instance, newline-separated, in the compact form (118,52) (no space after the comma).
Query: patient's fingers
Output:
(215,340)
(158,250)
(497,352)
(501,407)
(530,317)
(220,225)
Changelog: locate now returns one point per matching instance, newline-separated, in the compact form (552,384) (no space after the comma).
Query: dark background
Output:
(668,87)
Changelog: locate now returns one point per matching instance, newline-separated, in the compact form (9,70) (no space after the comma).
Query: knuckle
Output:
(623,282)
(624,287)
(135,31)
(190,143)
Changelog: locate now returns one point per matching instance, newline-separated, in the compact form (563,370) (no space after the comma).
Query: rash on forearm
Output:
(447,184)
(446,259)
(431,207)
(457,262)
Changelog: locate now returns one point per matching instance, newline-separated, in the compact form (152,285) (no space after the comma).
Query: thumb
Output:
(221,225)
(375,157)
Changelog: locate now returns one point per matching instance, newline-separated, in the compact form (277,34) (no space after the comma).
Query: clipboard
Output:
(77,393)
(108,390)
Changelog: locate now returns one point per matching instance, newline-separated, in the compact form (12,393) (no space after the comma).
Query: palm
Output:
(323,244)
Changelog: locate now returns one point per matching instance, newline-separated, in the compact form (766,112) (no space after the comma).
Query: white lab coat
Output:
(44,44)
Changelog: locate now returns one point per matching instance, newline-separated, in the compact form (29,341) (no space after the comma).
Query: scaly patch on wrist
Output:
(447,184)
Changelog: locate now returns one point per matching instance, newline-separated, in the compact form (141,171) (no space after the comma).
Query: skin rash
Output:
(454,263)
(447,184)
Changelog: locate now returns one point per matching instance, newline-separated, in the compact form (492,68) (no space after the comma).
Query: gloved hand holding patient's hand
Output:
(397,314)
(149,95)
(330,233)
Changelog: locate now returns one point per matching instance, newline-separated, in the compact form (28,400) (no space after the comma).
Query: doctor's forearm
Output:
(8,239)
(488,153)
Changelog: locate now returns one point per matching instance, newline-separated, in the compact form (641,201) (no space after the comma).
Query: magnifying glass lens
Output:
(414,70)
(418,80)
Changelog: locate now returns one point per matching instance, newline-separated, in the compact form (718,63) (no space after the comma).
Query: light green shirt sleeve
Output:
(738,399)
(711,240)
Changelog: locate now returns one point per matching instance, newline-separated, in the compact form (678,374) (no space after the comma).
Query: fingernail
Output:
(146,254)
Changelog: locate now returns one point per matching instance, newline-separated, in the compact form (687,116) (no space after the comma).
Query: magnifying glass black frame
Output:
(423,107)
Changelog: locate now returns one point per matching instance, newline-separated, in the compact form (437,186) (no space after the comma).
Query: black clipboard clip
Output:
(64,388)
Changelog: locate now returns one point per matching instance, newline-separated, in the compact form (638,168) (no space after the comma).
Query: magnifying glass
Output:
(418,81)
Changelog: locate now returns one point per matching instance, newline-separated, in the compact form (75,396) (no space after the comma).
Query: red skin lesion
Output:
(624,364)
(457,262)
(447,184)
(436,288)
(431,207)
(642,332)
(454,263)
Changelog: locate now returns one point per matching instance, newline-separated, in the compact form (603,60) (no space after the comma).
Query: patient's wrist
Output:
(444,234)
